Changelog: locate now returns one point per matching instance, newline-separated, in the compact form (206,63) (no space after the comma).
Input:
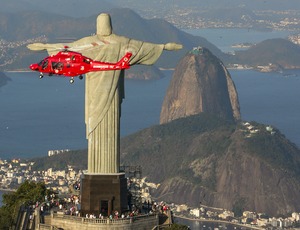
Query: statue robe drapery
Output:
(104,92)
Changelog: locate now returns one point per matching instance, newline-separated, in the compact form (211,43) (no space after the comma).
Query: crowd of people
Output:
(115,215)
(70,205)
(160,207)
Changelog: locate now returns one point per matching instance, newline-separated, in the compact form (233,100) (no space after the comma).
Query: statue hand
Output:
(48,47)
(173,46)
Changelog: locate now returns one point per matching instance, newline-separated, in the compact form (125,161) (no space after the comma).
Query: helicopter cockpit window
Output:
(44,64)
(57,65)
(86,60)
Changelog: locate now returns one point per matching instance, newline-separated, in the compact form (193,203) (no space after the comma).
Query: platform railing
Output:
(104,220)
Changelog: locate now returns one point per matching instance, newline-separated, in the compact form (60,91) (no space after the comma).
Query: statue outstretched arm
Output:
(173,46)
(43,46)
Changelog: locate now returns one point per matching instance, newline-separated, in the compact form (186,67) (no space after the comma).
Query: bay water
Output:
(40,115)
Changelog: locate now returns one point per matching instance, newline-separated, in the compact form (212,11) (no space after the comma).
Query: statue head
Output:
(104,27)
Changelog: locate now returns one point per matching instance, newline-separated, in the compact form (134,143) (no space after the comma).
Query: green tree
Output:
(28,193)
(6,219)
(238,206)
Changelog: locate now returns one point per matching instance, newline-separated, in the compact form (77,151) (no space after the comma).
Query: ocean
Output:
(196,224)
(271,98)
(40,115)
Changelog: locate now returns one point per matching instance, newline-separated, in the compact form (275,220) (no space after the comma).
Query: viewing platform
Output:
(60,221)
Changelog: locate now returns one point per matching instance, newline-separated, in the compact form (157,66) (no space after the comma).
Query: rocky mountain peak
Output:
(200,83)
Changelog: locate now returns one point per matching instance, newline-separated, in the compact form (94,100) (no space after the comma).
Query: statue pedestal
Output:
(103,193)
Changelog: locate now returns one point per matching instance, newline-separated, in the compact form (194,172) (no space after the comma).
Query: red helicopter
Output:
(72,64)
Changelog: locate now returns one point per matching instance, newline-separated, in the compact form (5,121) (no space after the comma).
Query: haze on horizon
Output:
(78,8)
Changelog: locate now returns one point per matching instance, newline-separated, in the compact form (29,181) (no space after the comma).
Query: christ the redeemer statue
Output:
(104,90)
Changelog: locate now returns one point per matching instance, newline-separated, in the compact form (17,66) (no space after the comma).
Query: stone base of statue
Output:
(103,193)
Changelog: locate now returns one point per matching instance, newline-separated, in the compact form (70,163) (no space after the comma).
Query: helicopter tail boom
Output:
(124,62)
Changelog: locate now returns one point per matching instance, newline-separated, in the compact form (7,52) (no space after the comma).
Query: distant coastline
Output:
(16,71)
(217,222)
(7,190)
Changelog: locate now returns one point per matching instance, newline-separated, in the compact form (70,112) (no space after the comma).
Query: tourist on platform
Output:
(116,213)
